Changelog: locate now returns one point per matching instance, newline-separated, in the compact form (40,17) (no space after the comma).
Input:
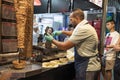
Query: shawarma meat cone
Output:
(21,17)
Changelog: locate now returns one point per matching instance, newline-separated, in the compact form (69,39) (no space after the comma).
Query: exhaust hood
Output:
(85,5)
(58,6)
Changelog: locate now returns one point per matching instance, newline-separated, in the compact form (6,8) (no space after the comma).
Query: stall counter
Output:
(34,71)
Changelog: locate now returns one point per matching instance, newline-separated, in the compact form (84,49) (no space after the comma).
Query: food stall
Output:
(40,63)
(51,64)
(37,72)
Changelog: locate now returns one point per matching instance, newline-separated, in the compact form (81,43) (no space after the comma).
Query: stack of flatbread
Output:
(63,61)
(55,63)
(70,55)
(51,64)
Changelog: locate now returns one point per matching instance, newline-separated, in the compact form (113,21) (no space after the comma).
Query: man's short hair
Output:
(112,21)
(78,13)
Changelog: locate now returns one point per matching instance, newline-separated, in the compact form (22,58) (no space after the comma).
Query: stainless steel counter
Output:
(30,70)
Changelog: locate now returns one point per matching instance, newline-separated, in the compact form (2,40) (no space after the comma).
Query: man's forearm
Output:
(60,45)
(68,33)
(109,46)
(63,45)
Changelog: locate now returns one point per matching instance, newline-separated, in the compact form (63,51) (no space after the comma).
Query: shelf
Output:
(8,31)
(9,37)
(9,45)
(8,20)
(8,12)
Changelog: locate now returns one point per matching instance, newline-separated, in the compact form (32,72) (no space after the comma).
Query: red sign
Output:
(37,2)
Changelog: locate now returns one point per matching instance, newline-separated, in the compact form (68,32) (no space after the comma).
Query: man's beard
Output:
(72,25)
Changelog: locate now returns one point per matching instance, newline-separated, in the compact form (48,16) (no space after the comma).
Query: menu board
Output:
(97,2)
(11,1)
(40,7)
(8,12)
(37,3)
(9,45)
(60,6)
(9,29)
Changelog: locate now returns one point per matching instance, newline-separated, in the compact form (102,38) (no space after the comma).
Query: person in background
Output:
(70,28)
(85,42)
(48,31)
(109,54)
(116,47)
(40,40)
(35,35)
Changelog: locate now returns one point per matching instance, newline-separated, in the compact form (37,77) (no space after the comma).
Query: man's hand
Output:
(49,37)
(56,33)
(109,46)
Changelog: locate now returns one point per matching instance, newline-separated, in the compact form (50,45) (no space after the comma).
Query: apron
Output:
(81,64)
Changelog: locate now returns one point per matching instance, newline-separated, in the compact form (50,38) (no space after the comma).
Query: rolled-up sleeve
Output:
(79,35)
